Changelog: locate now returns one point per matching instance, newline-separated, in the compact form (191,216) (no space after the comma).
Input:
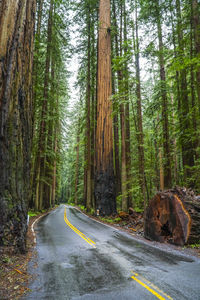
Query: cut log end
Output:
(173,216)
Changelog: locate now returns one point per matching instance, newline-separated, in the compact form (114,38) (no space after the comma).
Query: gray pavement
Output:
(117,266)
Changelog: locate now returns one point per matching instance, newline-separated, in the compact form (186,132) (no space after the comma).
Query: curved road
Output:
(79,258)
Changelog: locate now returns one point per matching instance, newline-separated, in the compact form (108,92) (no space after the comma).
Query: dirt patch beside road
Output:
(14,277)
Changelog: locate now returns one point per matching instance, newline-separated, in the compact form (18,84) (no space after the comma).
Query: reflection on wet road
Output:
(79,258)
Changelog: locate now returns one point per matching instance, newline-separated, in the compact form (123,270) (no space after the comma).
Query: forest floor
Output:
(15,278)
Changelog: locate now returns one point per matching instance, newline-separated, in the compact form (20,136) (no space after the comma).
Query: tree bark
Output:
(93,109)
(77,163)
(16,52)
(116,114)
(88,116)
(194,105)
(185,126)
(140,135)
(104,179)
(121,73)
(166,144)
(178,97)
(122,121)
(54,173)
(161,170)
(173,216)
(41,159)
(127,116)
(196,25)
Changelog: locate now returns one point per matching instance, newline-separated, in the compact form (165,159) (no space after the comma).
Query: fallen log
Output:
(173,216)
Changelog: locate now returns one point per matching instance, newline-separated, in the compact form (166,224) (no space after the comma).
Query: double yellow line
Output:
(83,236)
(138,278)
(150,287)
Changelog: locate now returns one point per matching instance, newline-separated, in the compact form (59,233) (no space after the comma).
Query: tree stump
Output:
(174,216)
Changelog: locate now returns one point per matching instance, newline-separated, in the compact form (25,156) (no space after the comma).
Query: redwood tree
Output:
(104,177)
(165,122)
(16,40)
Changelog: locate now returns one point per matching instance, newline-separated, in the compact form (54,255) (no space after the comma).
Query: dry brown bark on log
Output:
(174,216)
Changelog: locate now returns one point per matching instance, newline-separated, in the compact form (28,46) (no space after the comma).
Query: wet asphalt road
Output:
(118,266)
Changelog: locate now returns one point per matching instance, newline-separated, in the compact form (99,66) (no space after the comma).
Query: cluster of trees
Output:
(33,96)
(16,59)
(155,50)
(50,96)
(135,128)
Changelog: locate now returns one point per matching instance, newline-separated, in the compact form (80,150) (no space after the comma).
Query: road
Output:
(79,258)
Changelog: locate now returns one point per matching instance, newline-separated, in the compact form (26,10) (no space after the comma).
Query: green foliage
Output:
(6,259)
(195,246)
(151,15)
(110,220)
(70,202)
(82,207)
(50,85)
(32,213)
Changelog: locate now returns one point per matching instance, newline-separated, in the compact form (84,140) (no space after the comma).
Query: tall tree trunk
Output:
(85,178)
(175,169)
(93,110)
(43,125)
(127,112)
(187,150)
(116,118)
(54,171)
(178,97)
(37,44)
(88,137)
(16,52)
(122,122)
(77,163)
(166,143)
(116,141)
(196,25)
(49,170)
(104,179)
(140,134)
(156,162)
(39,16)
(123,159)
(192,89)
(161,170)
(39,9)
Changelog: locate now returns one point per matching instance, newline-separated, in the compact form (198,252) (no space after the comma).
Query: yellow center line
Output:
(74,228)
(149,288)
(78,232)
(83,236)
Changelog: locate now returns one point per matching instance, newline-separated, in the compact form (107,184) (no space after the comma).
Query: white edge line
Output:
(32,229)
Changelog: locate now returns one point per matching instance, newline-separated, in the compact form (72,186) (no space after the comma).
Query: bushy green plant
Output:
(110,220)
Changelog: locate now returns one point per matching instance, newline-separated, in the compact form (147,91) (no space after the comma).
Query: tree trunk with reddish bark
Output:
(16,53)
(104,177)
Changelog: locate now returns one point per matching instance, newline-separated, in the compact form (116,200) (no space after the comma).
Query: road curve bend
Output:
(80,258)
